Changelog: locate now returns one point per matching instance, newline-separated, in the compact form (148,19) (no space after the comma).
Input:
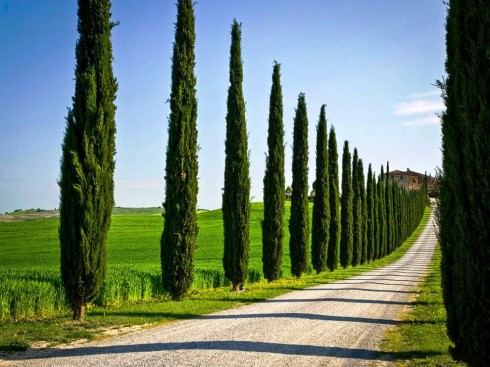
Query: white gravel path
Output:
(338,324)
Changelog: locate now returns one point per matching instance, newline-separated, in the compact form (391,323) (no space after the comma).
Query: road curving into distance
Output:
(338,324)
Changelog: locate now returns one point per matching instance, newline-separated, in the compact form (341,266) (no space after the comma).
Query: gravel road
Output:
(338,324)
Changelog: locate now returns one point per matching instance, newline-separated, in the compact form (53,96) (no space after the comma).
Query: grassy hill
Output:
(133,240)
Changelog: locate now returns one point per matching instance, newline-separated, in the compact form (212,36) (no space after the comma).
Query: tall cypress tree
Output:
(236,194)
(321,203)
(377,224)
(356,213)
(346,218)
(364,214)
(382,215)
(388,210)
(274,184)
(179,237)
(299,229)
(333,185)
(87,163)
(370,206)
(465,188)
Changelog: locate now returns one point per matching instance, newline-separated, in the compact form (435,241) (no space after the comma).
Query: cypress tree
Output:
(356,212)
(236,194)
(388,211)
(179,236)
(346,218)
(274,184)
(299,229)
(377,224)
(370,205)
(333,185)
(363,199)
(382,215)
(321,203)
(87,163)
(463,211)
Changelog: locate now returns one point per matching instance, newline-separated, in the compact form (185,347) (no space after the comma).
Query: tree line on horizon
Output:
(363,222)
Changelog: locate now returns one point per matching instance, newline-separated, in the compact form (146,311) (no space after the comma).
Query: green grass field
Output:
(134,240)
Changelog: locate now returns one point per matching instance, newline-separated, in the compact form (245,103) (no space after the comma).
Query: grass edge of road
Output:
(420,338)
(103,322)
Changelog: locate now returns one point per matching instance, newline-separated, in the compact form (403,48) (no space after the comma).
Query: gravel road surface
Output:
(338,324)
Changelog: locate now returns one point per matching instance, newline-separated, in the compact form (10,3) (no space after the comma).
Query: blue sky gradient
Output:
(372,62)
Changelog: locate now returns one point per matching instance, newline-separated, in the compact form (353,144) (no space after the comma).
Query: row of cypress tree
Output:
(87,185)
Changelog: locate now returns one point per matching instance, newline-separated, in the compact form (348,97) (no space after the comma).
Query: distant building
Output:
(410,180)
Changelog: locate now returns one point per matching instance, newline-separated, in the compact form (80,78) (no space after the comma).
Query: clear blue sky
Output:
(372,62)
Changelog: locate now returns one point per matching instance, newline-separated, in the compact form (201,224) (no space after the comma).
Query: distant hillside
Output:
(135,211)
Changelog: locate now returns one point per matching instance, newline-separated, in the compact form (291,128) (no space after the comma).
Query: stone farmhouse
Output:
(411,180)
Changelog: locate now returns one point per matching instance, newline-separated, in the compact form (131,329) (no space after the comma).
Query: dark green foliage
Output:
(87,164)
(370,209)
(333,185)
(299,228)
(377,224)
(388,211)
(179,237)
(382,215)
(363,199)
(321,203)
(346,217)
(356,212)
(274,184)
(236,194)
(465,183)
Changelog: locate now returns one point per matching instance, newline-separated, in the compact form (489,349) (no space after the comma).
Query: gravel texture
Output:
(338,324)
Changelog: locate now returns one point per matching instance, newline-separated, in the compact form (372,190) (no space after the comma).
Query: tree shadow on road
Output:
(224,345)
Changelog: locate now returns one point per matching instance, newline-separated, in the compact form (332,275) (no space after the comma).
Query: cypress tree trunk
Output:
(356,213)
(333,185)
(274,184)
(299,228)
(321,204)
(370,205)
(464,209)
(236,194)
(87,163)
(346,237)
(363,199)
(179,237)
